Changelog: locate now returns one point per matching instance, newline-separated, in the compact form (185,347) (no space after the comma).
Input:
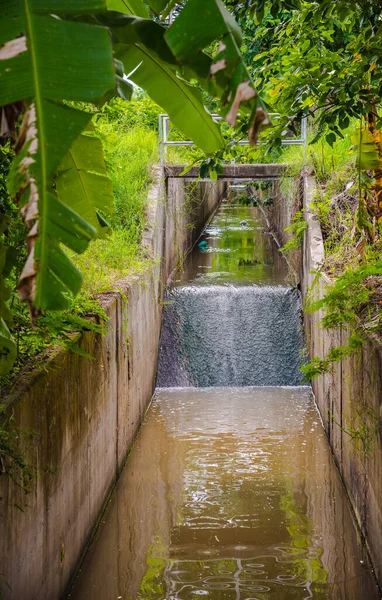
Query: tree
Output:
(323,60)
(58,53)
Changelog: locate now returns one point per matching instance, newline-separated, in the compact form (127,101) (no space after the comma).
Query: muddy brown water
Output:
(228,493)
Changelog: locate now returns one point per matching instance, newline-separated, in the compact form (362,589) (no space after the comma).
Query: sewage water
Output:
(229,492)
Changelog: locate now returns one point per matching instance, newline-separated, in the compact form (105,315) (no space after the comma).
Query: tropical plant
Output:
(57,54)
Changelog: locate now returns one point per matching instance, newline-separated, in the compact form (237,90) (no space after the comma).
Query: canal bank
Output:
(349,396)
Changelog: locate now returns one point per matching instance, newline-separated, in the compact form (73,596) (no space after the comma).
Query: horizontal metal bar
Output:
(292,142)
(241,143)
(177,143)
(164,121)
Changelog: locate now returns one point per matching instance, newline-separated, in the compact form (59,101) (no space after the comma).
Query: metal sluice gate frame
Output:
(164,142)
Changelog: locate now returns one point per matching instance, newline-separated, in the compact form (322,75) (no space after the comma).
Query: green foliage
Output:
(12,251)
(140,112)
(82,183)
(362,429)
(315,58)
(128,158)
(132,7)
(30,72)
(129,152)
(353,301)
(347,294)
(297,229)
(322,60)
(53,330)
(183,102)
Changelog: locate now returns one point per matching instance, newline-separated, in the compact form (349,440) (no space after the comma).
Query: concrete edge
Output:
(316,246)
(334,392)
(233,171)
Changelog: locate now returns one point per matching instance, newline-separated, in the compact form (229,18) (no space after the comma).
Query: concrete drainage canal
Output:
(230,491)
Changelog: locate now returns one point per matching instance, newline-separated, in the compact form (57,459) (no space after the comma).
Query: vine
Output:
(297,229)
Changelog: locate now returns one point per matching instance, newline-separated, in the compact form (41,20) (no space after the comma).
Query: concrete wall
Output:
(86,412)
(287,200)
(347,396)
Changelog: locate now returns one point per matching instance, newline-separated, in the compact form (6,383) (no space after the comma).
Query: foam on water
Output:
(231,336)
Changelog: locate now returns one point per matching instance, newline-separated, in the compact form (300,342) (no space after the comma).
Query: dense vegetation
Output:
(128,133)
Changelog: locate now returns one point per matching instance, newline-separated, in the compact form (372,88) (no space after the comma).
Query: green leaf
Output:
(199,23)
(133,30)
(8,258)
(181,101)
(8,349)
(130,7)
(46,60)
(59,279)
(75,78)
(159,6)
(204,168)
(82,182)
(367,151)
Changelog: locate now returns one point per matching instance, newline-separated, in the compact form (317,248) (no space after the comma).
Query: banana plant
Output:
(162,53)
(367,146)
(56,53)
(82,183)
(45,59)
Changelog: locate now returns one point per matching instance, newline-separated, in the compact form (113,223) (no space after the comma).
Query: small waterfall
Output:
(217,335)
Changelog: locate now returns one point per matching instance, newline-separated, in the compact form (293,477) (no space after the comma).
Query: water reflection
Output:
(229,493)
(235,253)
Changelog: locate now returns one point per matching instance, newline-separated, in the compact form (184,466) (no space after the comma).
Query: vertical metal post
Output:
(304,136)
(166,122)
(160,127)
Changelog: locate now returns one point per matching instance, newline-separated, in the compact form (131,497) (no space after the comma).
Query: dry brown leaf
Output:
(260,121)
(8,119)
(29,209)
(218,66)
(244,91)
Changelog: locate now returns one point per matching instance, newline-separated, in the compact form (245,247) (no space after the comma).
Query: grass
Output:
(352,260)
(130,148)
(336,197)
(128,158)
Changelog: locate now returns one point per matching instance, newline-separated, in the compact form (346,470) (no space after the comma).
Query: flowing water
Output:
(229,492)
(232,320)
